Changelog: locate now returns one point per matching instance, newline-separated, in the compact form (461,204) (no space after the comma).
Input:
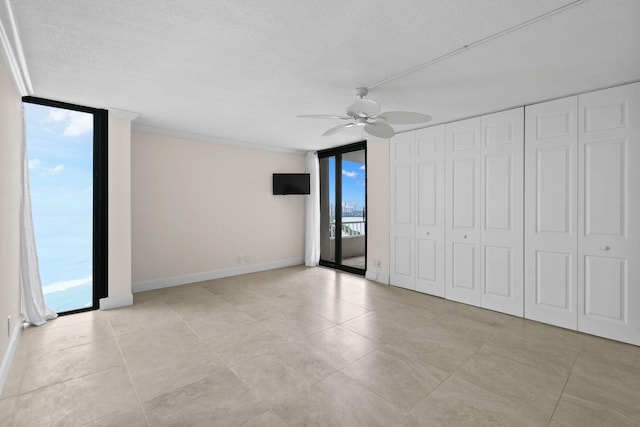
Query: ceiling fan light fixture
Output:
(365,113)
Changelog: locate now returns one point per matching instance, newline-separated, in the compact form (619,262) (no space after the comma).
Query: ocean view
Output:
(60,153)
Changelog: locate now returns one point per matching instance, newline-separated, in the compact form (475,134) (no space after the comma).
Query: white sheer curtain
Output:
(312,223)
(35,310)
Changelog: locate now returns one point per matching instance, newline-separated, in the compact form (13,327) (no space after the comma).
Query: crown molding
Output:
(124,114)
(214,139)
(12,49)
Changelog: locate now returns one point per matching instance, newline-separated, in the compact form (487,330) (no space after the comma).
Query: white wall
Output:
(10,195)
(197,206)
(378,209)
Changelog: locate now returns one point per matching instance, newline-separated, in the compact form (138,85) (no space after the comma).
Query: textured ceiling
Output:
(242,70)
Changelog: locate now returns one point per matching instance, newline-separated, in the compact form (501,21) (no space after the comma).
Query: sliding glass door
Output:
(66,146)
(343,205)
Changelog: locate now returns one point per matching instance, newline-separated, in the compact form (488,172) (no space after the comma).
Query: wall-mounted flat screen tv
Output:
(291,183)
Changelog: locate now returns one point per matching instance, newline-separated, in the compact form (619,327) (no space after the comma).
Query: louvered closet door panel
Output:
(430,210)
(402,215)
(502,243)
(550,212)
(462,235)
(609,218)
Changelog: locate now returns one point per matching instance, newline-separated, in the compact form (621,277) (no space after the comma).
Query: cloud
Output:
(34,164)
(363,167)
(349,174)
(79,124)
(76,123)
(53,171)
(64,285)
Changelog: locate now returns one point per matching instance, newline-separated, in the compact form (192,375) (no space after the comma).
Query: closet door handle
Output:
(605,248)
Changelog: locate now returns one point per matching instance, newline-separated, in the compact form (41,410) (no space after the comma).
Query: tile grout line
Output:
(563,388)
(126,366)
(446,378)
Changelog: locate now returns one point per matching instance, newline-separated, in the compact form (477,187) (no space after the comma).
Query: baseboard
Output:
(115,302)
(11,350)
(211,275)
(371,275)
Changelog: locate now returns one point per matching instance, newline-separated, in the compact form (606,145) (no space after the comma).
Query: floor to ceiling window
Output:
(343,207)
(66,147)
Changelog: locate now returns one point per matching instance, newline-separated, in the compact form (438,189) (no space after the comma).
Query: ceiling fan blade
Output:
(381,130)
(363,107)
(403,117)
(323,116)
(338,128)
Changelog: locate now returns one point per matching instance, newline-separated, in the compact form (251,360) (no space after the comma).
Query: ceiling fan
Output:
(366,112)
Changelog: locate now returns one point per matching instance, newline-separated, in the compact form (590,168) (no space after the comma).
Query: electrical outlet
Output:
(246,259)
(377,263)
(239,259)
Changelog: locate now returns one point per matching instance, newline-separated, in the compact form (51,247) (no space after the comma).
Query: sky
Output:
(353,182)
(60,152)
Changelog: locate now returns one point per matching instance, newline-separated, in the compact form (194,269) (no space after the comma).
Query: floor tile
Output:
(607,384)
(530,390)
(142,346)
(465,329)
(459,403)
(400,382)
(314,346)
(218,400)
(572,411)
(78,401)
(268,419)
(337,346)
(129,418)
(335,309)
(167,371)
(338,401)
(140,317)
(36,341)
(273,381)
(74,362)
(219,324)
(303,361)
(262,307)
(431,347)
(534,352)
(245,343)
(193,302)
(368,300)
(376,327)
(298,325)
(7,408)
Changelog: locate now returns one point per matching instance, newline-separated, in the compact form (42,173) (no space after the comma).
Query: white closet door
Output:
(502,245)
(430,210)
(550,212)
(402,197)
(462,236)
(609,218)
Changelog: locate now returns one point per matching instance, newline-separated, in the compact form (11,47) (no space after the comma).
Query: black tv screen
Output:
(291,183)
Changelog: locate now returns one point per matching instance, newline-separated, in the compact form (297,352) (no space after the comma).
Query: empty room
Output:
(298,213)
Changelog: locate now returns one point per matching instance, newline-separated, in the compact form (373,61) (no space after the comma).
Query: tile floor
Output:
(312,346)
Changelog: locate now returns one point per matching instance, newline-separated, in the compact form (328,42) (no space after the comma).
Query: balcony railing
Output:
(349,229)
